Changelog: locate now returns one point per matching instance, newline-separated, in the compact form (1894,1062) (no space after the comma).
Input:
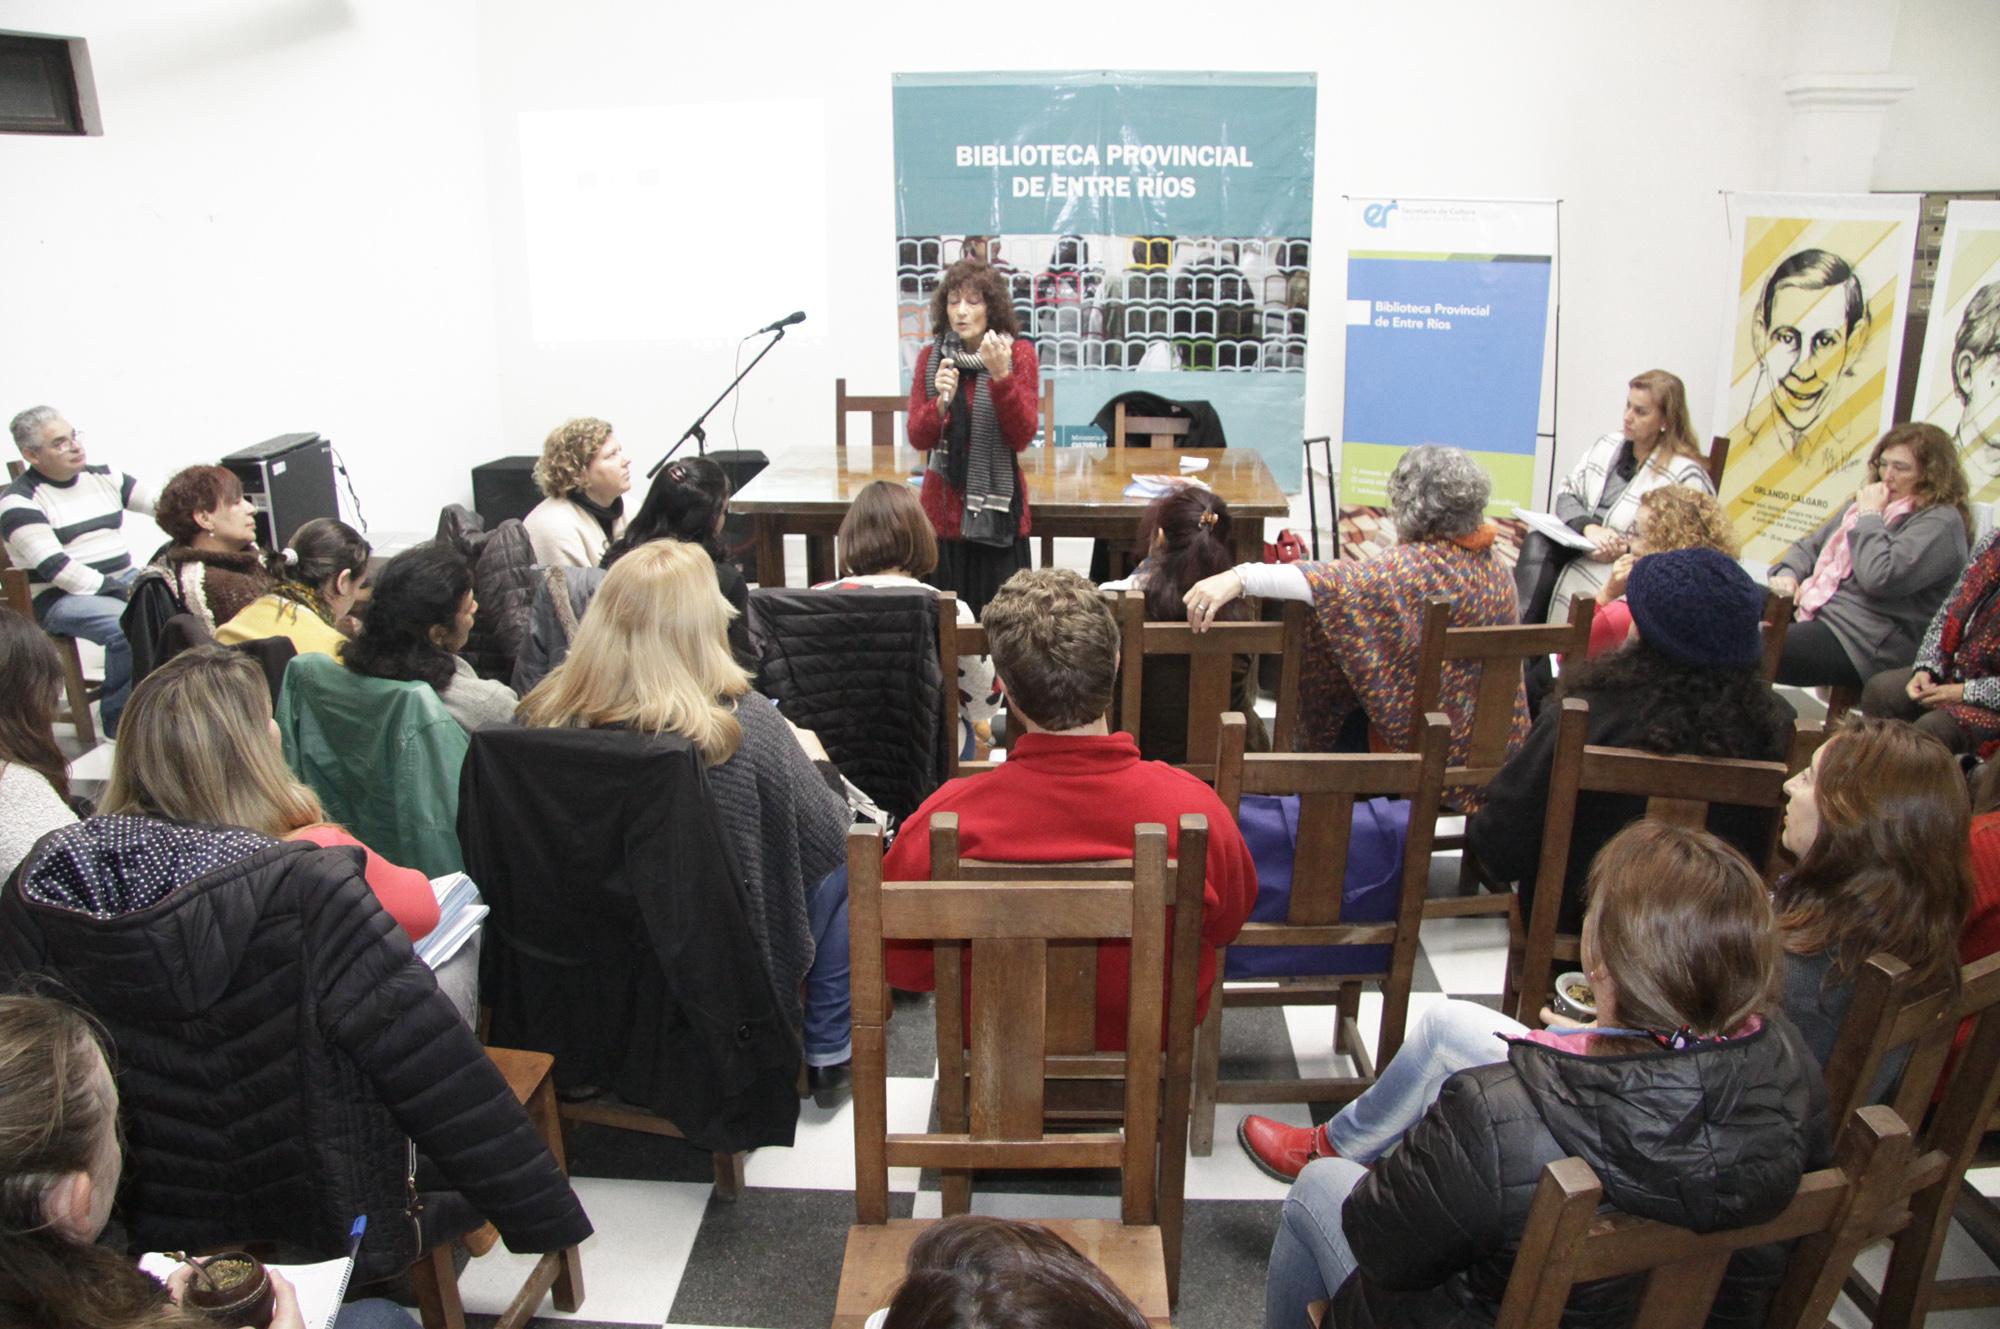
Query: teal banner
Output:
(1155,229)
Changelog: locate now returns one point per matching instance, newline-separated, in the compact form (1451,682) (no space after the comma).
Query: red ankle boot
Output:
(1283,1151)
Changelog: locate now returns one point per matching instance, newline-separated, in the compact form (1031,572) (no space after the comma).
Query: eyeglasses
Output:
(64,442)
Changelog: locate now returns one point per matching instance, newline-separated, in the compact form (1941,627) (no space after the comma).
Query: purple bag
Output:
(1369,893)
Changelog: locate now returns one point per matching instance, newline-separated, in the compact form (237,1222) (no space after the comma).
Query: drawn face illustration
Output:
(1804,350)
(1979,380)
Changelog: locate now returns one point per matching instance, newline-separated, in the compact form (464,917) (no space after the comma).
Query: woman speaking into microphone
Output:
(973,404)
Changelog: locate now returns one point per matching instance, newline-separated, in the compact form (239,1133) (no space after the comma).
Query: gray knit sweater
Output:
(788,830)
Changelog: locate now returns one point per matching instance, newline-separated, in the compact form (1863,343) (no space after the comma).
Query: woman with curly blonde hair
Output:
(1670,518)
(584,473)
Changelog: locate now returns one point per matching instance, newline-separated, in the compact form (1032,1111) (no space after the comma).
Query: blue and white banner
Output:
(1450,305)
(1155,229)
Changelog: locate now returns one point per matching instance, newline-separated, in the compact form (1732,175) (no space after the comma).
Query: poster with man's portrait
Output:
(1808,368)
(1958,377)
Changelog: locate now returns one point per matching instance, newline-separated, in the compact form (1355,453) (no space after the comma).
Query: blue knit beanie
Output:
(1699,607)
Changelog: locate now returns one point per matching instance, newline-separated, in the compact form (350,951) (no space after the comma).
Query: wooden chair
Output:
(1211,658)
(1840,700)
(1501,654)
(1886,1015)
(881,411)
(1777,622)
(531,1076)
(1836,1213)
(1006,931)
(78,691)
(1718,457)
(1077,1070)
(1327,785)
(955,640)
(1152,428)
(1680,790)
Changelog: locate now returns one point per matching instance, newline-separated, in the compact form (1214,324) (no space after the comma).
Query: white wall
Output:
(310,214)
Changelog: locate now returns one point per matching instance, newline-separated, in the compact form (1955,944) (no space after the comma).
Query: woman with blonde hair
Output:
(201,747)
(652,655)
(1670,517)
(584,474)
(1865,584)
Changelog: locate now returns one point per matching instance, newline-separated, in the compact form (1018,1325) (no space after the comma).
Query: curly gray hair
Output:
(1437,492)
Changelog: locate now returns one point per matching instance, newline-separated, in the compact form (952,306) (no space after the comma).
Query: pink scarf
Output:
(1836,560)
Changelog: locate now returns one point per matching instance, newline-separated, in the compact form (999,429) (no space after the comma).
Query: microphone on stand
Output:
(796,316)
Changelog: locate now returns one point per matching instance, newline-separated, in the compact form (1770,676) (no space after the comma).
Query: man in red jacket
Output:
(1071,789)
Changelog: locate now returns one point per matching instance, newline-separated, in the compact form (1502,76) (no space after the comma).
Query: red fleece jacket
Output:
(1063,799)
(1017,408)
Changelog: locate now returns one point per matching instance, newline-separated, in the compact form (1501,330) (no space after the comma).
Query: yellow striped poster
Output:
(1808,365)
(1958,377)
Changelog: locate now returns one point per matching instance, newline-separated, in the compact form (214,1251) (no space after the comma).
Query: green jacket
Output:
(383,757)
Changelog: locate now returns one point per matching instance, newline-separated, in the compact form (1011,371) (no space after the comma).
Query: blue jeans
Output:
(373,1313)
(1450,1037)
(829,1031)
(1310,1257)
(95,618)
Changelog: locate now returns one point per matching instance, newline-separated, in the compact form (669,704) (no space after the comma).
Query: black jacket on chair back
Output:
(860,669)
(619,940)
(277,1044)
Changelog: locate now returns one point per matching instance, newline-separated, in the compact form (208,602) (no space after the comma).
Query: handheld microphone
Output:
(796,316)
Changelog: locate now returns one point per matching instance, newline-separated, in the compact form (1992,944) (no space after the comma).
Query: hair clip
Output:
(290,555)
(1206,519)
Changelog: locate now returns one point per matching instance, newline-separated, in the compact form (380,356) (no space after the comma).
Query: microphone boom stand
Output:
(695,430)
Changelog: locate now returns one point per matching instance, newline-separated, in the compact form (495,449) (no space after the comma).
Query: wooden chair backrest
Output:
(881,410)
(1718,457)
(14,590)
(1680,790)
(1048,412)
(1327,785)
(1501,652)
(1834,1215)
(1211,658)
(1887,1013)
(1777,622)
(16,469)
(956,639)
(1005,930)
(1123,426)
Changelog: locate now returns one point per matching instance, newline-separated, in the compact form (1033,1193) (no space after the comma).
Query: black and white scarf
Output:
(971,454)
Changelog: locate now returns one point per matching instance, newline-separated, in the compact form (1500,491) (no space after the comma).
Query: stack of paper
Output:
(1158,485)
(1553,527)
(460,912)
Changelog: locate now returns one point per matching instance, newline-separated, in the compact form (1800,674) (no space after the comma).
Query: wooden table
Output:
(1071,492)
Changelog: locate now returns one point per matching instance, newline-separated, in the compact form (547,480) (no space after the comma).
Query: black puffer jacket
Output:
(277,1044)
(860,669)
(503,582)
(1711,1138)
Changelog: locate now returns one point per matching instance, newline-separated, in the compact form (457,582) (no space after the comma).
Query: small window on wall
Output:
(46,86)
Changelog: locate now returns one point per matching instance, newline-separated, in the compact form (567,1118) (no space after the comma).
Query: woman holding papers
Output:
(1599,498)
(975,402)
(202,748)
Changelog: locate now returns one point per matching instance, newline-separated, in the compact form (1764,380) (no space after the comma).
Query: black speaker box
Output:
(289,480)
(737,540)
(504,488)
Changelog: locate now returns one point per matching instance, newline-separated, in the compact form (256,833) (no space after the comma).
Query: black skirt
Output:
(975,572)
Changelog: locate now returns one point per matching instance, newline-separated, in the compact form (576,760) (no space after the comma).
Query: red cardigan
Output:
(405,892)
(1066,798)
(1017,405)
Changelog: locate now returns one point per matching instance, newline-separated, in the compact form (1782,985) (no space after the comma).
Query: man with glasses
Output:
(63,521)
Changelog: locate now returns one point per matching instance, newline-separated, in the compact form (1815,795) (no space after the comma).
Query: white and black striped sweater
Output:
(68,537)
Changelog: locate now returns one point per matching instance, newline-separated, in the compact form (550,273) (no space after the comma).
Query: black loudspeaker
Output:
(505,488)
(289,479)
(738,542)
(46,86)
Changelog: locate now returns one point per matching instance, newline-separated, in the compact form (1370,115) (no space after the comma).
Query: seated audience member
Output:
(1952,692)
(200,747)
(1671,517)
(1070,789)
(418,618)
(1688,685)
(886,540)
(584,473)
(34,776)
(62,1155)
(974,1272)
(688,501)
(62,522)
(213,563)
(1184,537)
(652,656)
(1867,581)
(1876,823)
(322,571)
(1691,1097)
(1367,628)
